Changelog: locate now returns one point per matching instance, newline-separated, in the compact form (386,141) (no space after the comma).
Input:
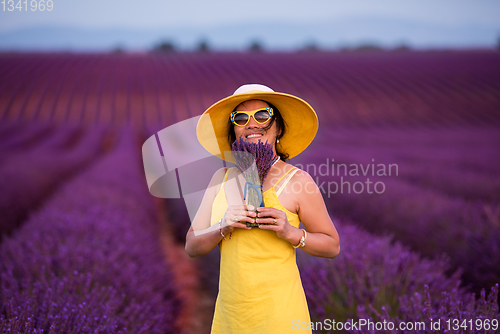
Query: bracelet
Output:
(302,241)
(220,230)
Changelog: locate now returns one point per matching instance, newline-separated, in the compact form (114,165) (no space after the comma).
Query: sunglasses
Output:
(261,116)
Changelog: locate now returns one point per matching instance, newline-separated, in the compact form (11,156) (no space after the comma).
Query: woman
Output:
(260,289)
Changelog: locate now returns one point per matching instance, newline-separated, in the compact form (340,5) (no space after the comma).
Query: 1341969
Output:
(478,324)
(25,5)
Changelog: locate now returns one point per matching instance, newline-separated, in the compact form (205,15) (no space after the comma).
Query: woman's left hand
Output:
(275,219)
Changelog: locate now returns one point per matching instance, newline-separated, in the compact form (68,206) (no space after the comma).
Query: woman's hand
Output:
(243,213)
(276,220)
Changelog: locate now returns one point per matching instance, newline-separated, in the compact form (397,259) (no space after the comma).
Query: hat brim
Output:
(300,119)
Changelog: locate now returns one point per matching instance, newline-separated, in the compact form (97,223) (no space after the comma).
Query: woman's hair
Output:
(280,126)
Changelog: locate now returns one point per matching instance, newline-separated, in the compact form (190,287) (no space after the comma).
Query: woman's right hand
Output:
(244,214)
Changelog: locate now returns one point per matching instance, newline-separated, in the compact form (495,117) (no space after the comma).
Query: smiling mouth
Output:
(254,135)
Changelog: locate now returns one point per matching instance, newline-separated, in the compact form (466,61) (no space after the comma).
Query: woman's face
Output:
(254,131)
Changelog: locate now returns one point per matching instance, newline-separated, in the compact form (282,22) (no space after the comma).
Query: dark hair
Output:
(280,126)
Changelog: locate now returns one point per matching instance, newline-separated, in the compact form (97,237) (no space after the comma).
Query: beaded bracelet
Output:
(302,241)
(220,230)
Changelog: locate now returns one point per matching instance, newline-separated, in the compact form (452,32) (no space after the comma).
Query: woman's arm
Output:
(201,237)
(322,237)
(207,237)
(198,245)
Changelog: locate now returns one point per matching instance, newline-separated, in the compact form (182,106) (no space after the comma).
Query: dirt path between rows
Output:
(197,306)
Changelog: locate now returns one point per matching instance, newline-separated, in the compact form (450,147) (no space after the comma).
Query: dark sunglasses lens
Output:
(262,116)
(241,119)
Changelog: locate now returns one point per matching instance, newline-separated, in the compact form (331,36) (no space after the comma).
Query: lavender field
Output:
(85,248)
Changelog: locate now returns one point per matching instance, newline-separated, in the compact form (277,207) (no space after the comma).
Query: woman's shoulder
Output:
(284,171)
(299,175)
(289,168)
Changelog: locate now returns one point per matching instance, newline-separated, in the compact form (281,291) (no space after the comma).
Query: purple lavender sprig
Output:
(261,153)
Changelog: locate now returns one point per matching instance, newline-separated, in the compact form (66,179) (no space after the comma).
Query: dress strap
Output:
(293,170)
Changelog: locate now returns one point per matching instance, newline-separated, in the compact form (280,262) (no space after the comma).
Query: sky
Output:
(203,14)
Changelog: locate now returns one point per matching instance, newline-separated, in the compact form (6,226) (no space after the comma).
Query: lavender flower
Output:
(261,153)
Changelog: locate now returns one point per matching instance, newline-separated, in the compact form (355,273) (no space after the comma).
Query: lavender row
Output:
(372,89)
(376,279)
(465,149)
(468,185)
(23,136)
(423,219)
(27,178)
(8,128)
(460,180)
(90,260)
(18,140)
(431,207)
(456,169)
(449,312)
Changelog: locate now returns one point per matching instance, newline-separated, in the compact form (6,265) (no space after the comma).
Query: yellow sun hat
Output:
(301,121)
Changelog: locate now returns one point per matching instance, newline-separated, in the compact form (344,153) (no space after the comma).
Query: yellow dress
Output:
(260,290)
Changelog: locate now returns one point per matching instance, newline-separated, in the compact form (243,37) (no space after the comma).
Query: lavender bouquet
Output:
(254,160)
